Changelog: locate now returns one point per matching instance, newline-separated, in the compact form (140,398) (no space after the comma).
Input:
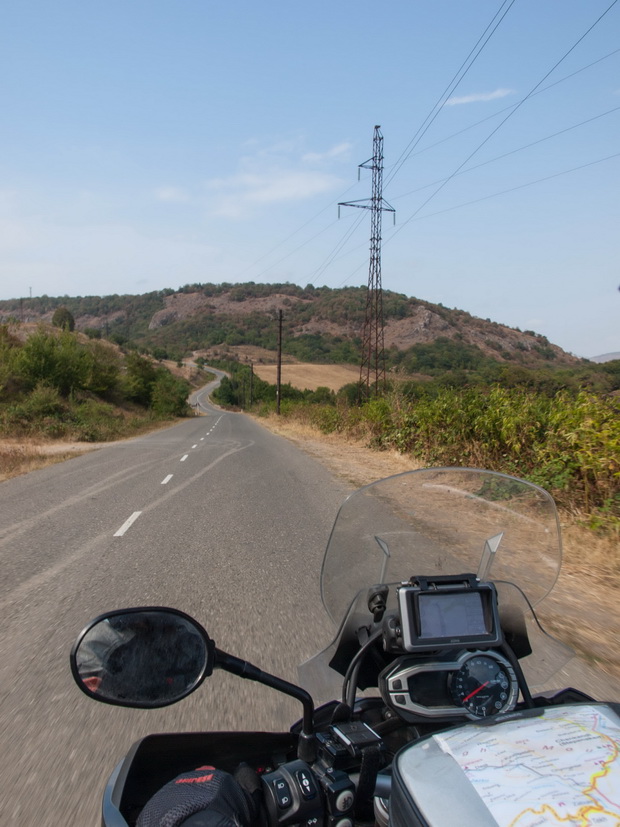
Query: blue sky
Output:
(153,144)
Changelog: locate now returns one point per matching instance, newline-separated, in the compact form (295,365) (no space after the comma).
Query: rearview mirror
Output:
(142,657)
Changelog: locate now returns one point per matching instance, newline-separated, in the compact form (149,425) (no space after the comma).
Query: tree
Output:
(169,395)
(140,376)
(104,366)
(63,318)
(60,362)
(226,394)
(323,396)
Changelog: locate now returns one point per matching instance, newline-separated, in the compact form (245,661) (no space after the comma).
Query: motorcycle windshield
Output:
(442,521)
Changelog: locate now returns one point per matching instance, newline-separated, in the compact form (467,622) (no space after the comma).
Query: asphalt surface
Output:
(232,525)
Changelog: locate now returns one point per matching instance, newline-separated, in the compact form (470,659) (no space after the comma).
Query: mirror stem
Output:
(242,668)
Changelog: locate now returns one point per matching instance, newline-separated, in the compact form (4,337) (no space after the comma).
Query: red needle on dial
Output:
(475,692)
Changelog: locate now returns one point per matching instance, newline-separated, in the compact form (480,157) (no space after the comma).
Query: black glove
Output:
(205,797)
(249,780)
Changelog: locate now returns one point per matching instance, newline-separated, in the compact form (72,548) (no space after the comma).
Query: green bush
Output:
(63,318)
(169,395)
(104,367)
(55,386)
(59,361)
(43,406)
(322,396)
(326,418)
(96,421)
(139,379)
(568,444)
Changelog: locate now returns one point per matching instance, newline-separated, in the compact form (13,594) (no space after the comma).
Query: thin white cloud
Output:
(277,174)
(175,195)
(235,195)
(336,152)
(478,97)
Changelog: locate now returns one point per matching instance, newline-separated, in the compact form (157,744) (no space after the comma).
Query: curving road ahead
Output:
(215,516)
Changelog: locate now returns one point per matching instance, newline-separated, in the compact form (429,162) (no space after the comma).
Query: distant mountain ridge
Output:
(605,357)
(320,324)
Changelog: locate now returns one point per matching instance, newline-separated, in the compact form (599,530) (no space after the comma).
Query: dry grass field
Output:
(310,377)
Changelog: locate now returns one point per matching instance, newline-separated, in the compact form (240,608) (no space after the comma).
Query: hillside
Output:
(320,325)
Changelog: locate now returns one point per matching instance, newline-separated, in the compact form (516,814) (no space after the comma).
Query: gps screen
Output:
(451,615)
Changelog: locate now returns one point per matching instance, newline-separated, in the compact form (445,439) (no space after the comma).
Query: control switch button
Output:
(344,801)
(306,784)
(283,793)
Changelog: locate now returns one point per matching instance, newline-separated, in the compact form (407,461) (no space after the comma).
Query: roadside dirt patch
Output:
(350,460)
(19,457)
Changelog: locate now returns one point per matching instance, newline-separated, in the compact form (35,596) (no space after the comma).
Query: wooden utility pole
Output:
(279,367)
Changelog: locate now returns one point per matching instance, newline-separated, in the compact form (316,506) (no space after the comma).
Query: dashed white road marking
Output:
(195,446)
(213,426)
(127,524)
(167,479)
(202,439)
(184,457)
(46,576)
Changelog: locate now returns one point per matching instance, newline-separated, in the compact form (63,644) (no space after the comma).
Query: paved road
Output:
(231,527)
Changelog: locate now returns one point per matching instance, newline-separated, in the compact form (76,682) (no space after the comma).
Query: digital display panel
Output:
(450,615)
(444,614)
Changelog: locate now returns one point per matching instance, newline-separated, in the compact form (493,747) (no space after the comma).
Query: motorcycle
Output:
(433,579)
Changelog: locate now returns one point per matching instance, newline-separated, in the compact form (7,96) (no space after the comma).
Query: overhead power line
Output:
(511,152)
(518,187)
(512,105)
(410,153)
(451,87)
(337,248)
(331,257)
(489,197)
(295,250)
(508,116)
(291,235)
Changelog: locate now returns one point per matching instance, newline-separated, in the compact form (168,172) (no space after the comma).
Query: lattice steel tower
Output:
(372,369)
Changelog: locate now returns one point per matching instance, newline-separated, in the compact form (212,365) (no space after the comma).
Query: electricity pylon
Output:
(373,353)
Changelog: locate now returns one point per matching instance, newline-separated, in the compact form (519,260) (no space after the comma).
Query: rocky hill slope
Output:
(320,324)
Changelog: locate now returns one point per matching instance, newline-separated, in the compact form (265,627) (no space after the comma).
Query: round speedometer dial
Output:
(484,685)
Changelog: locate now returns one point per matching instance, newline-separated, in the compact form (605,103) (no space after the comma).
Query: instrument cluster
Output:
(466,684)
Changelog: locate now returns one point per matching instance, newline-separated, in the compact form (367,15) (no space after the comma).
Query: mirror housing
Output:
(145,657)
